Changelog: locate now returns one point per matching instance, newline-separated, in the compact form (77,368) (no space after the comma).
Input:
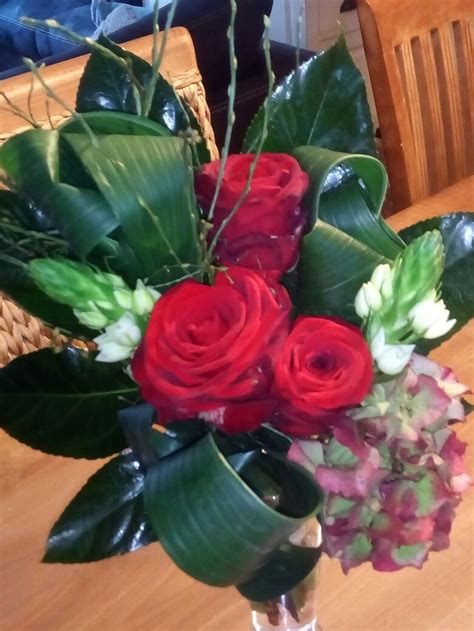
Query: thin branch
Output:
(93,45)
(263,137)
(16,111)
(157,55)
(163,235)
(49,92)
(231,108)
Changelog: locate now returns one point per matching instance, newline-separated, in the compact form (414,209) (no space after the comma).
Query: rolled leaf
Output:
(149,185)
(211,523)
(332,268)
(348,191)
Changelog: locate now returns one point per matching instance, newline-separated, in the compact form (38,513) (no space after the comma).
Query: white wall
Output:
(284,18)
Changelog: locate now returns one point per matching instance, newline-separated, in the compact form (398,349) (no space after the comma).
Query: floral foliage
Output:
(393,471)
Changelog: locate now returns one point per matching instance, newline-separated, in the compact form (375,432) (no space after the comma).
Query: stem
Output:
(232,89)
(299,24)
(150,89)
(16,111)
(93,45)
(157,55)
(49,92)
(263,137)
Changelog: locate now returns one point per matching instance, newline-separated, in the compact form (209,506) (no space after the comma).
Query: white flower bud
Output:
(119,340)
(390,358)
(423,315)
(439,329)
(430,318)
(360,304)
(381,273)
(124,298)
(143,300)
(93,319)
(394,358)
(372,296)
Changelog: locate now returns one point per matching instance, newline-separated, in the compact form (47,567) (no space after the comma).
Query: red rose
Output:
(209,351)
(266,231)
(325,366)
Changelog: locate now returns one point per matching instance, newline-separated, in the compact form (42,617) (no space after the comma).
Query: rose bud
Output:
(266,231)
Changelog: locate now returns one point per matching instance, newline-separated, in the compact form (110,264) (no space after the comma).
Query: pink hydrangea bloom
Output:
(393,471)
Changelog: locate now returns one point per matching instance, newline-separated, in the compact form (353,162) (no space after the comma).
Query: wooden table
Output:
(143,591)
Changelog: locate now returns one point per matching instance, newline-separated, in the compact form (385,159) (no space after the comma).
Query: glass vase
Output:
(295,610)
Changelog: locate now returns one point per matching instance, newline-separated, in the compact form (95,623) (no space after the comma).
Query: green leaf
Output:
(283,570)
(65,403)
(105,86)
(148,183)
(332,268)
(348,191)
(457,286)
(214,527)
(105,519)
(38,162)
(323,103)
(106,123)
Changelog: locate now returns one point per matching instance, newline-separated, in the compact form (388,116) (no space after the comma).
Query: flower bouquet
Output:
(244,338)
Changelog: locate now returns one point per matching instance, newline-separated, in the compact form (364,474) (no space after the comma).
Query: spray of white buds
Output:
(119,340)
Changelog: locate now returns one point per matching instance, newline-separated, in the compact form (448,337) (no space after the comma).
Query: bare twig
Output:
(230,110)
(263,137)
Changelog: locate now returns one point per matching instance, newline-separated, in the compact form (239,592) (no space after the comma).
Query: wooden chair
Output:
(19,332)
(419,54)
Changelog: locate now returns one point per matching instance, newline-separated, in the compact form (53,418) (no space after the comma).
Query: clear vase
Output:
(296,610)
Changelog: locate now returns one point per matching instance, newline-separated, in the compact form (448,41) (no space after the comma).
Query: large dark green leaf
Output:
(105,86)
(105,519)
(149,185)
(211,523)
(332,268)
(36,162)
(347,191)
(324,103)
(65,403)
(457,230)
(283,570)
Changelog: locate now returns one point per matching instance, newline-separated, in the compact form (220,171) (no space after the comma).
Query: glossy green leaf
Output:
(105,86)
(332,268)
(211,523)
(348,191)
(283,570)
(105,519)
(38,162)
(457,282)
(65,403)
(323,103)
(148,183)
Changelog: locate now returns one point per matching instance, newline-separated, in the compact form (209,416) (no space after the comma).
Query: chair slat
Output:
(434,130)
(419,177)
(452,93)
(421,65)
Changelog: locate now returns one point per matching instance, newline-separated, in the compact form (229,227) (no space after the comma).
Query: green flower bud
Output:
(90,292)
(416,273)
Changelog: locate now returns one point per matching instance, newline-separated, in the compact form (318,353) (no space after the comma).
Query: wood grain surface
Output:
(143,591)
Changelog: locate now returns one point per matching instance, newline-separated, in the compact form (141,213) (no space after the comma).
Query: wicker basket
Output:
(21,333)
